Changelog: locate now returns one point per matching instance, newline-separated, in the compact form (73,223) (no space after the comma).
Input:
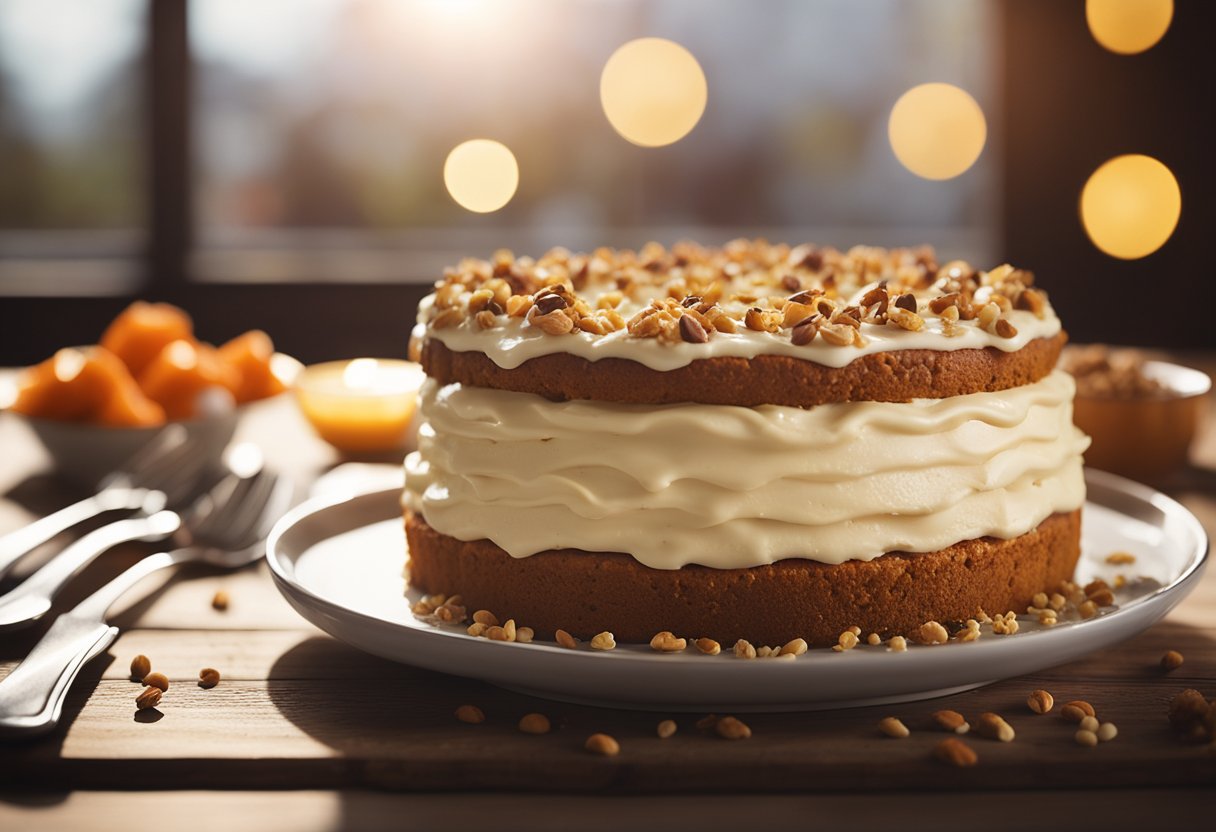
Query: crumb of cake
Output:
(708,646)
(1120,558)
(565,640)
(141,666)
(931,632)
(534,724)
(149,698)
(1040,701)
(794,647)
(603,641)
(157,680)
(1172,660)
(485,617)
(897,644)
(873,639)
(666,728)
(1077,710)
(602,744)
(220,600)
(893,727)
(744,650)
(471,714)
(666,642)
(1102,372)
(1086,738)
(1107,731)
(994,726)
(208,677)
(846,641)
(951,721)
(730,728)
(956,753)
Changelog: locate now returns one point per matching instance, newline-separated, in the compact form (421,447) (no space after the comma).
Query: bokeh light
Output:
(1130,206)
(653,91)
(937,130)
(481,175)
(1128,26)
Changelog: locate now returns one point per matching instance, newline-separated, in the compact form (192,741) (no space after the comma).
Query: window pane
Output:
(69,139)
(336,116)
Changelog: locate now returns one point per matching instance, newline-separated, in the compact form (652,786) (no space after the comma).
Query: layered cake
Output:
(756,442)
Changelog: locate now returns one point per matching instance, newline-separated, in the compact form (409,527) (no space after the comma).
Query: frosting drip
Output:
(733,487)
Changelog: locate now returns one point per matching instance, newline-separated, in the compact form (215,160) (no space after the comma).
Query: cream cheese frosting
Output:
(734,487)
(517,340)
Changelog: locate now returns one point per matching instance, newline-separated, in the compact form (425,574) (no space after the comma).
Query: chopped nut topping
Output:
(1077,710)
(208,677)
(603,745)
(846,641)
(892,727)
(730,728)
(805,331)
(1005,625)
(524,635)
(666,728)
(874,639)
(157,680)
(1005,329)
(897,644)
(744,650)
(477,629)
(485,617)
(1086,738)
(708,646)
(566,640)
(603,641)
(956,753)
(1120,558)
(994,727)
(931,632)
(951,721)
(666,642)
(220,600)
(534,724)
(1172,660)
(141,666)
(554,323)
(692,331)
(1040,701)
(470,714)
(794,647)
(1088,609)
(150,698)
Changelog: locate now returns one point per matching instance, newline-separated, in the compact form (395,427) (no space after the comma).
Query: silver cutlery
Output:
(165,472)
(226,529)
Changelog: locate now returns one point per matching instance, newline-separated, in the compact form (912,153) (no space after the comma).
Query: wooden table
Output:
(305,733)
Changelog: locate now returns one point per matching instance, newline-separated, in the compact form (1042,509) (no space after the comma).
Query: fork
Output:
(227,530)
(164,472)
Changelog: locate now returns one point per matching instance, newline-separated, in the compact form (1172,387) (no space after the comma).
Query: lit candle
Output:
(361,406)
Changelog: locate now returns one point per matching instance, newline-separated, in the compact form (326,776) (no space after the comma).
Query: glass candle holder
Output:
(362,406)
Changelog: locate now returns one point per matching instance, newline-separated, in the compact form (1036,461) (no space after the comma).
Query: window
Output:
(71,206)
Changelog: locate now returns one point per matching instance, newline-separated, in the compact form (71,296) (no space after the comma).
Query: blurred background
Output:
(280,164)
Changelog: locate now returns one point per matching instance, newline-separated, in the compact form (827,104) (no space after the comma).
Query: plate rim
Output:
(927,661)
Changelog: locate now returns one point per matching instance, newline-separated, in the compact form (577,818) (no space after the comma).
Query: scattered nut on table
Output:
(534,724)
(471,714)
(141,666)
(157,680)
(208,677)
(150,698)
(603,745)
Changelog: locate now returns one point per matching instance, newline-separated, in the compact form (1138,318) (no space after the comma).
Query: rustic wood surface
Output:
(298,710)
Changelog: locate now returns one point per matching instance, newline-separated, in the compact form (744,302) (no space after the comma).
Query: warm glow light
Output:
(653,91)
(1128,26)
(937,130)
(481,175)
(1130,206)
(68,364)
(361,406)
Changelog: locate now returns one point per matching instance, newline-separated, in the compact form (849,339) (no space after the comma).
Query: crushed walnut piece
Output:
(690,293)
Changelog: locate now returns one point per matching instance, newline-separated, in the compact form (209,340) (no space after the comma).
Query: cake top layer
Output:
(667,307)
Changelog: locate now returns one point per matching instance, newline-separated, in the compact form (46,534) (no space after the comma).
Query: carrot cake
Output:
(756,441)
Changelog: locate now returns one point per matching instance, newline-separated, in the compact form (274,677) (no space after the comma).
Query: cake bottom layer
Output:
(586,593)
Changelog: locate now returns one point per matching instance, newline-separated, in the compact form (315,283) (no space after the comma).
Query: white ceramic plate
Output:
(339,563)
